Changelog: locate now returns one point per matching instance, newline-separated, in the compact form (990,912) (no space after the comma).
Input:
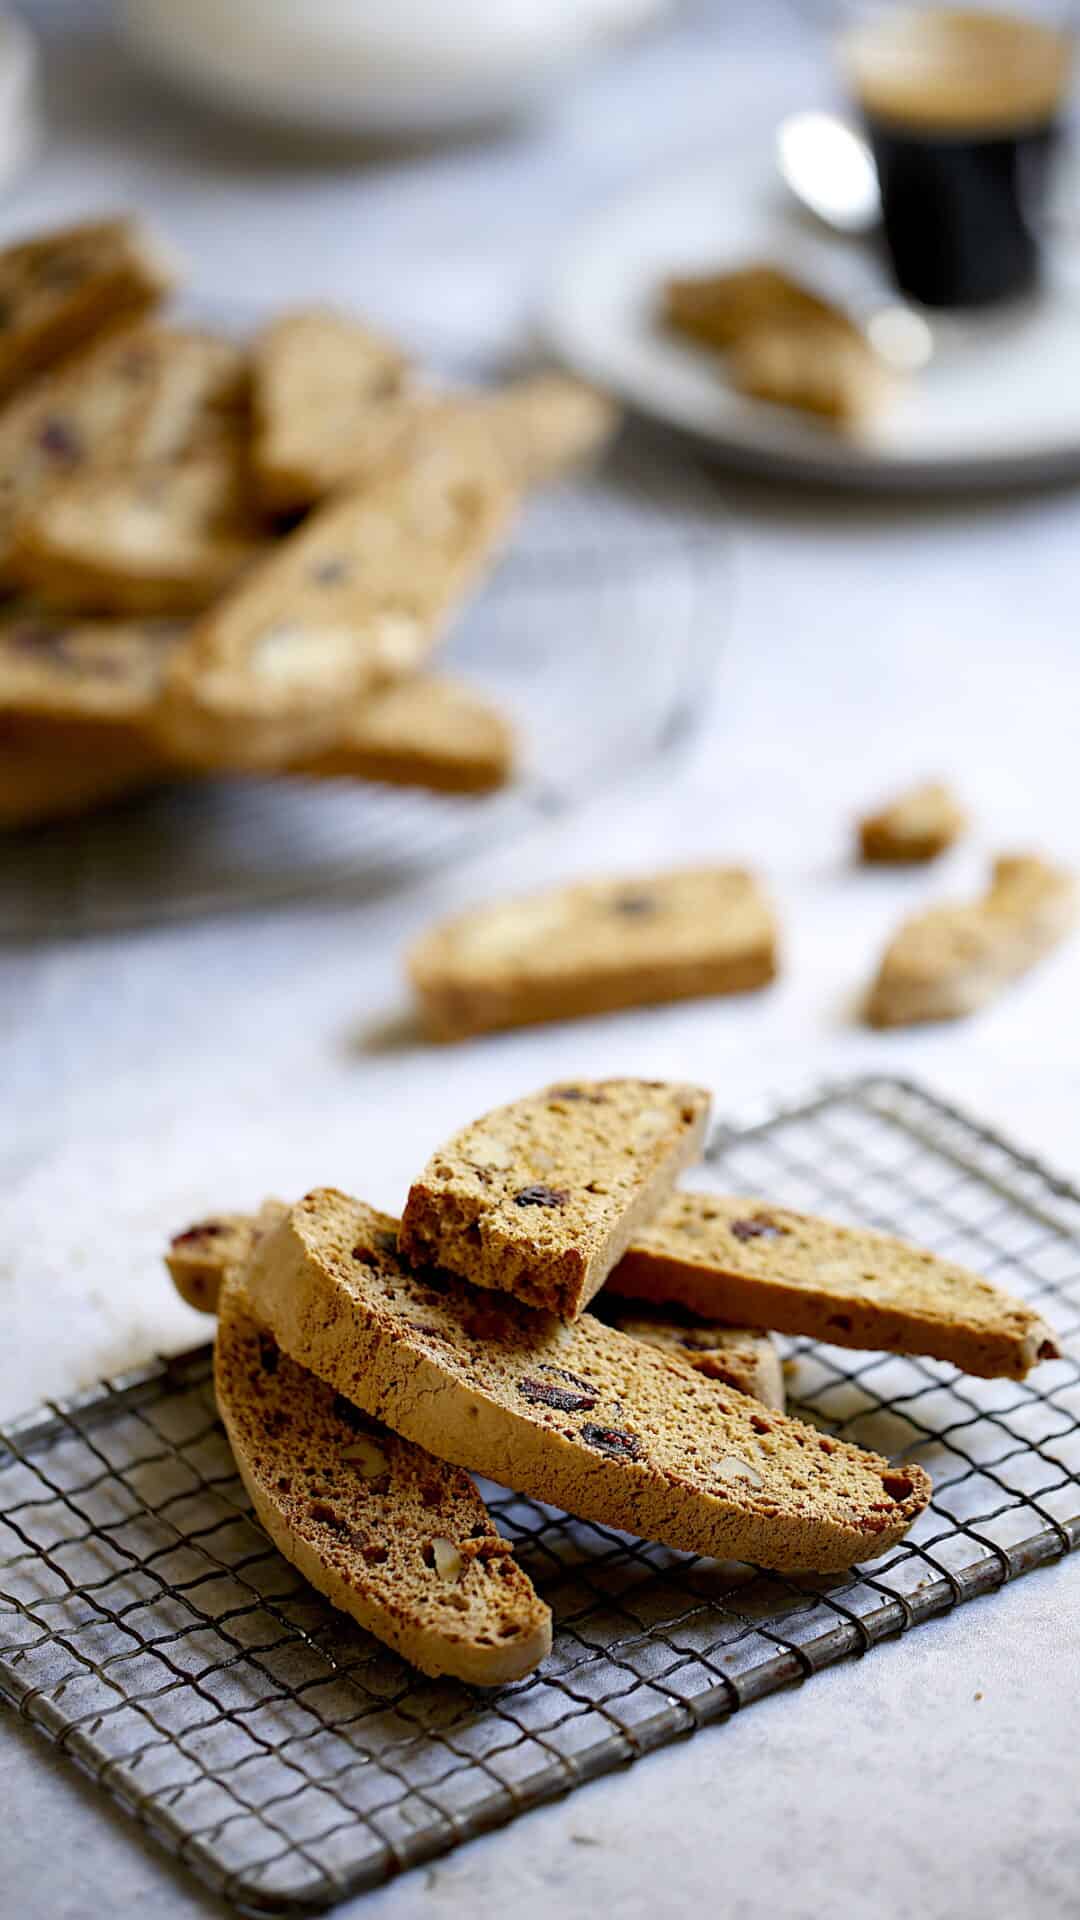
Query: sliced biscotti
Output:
(951,960)
(573,1413)
(323,388)
(750,1262)
(358,596)
(718,310)
(388,1533)
(82,671)
(60,288)
(540,1198)
(545,425)
(595,947)
(821,369)
(917,826)
(427,732)
(741,1357)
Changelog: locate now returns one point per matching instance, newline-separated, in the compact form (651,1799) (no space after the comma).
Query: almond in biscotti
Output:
(917,826)
(595,947)
(750,1262)
(949,961)
(575,1413)
(540,1198)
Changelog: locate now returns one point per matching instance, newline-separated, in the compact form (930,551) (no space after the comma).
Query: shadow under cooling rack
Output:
(148,1627)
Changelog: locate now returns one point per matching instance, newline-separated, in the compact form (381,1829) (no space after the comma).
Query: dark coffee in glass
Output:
(962,109)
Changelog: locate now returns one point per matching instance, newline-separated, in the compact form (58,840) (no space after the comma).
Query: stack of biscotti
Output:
(550,1312)
(308,511)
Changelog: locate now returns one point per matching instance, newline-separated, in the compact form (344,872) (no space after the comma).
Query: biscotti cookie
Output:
(426,732)
(573,1413)
(540,1198)
(595,947)
(740,1357)
(545,425)
(824,370)
(388,1533)
(718,310)
(358,596)
(916,826)
(55,773)
(751,1263)
(951,960)
(322,383)
(199,1258)
(82,671)
(156,539)
(60,288)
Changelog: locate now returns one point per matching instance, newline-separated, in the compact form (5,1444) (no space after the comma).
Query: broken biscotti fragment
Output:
(820,369)
(918,825)
(59,289)
(326,394)
(426,732)
(357,597)
(951,960)
(572,1413)
(388,1533)
(718,310)
(752,1263)
(595,947)
(199,1258)
(540,1198)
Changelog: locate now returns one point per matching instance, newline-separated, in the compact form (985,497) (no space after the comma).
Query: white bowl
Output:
(375,66)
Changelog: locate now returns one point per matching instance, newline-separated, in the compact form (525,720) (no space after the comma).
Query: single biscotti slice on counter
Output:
(389,1534)
(951,960)
(750,1262)
(426,732)
(573,1413)
(917,826)
(59,288)
(540,1198)
(324,402)
(595,947)
(358,596)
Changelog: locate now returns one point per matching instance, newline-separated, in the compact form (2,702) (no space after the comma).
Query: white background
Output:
(147,1079)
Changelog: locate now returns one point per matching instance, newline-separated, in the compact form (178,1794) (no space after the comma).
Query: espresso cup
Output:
(963,111)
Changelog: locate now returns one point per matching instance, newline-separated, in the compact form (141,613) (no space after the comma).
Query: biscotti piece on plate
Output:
(426,732)
(718,310)
(82,672)
(573,1413)
(58,289)
(324,392)
(918,825)
(52,772)
(160,539)
(749,1262)
(951,960)
(595,947)
(357,597)
(741,1357)
(824,370)
(388,1533)
(540,1198)
(545,425)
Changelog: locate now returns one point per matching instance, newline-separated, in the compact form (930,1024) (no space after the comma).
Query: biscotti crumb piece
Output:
(595,947)
(387,1532)
(357,597)
(199,1258)
(425,732)
(740,1357)
(820,369)
(60,288)
(569,1412)
(753,1263)
(718,310)
(918,825)
(326,389)
(540,1198)
(951,960)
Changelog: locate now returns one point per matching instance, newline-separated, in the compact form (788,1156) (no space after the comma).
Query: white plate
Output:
(998,404)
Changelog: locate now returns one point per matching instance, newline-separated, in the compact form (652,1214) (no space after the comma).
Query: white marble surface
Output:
(148,1078)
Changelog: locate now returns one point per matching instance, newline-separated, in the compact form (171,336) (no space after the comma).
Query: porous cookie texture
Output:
(819,369)
(718,310)
(389,1534)
(61,287)
(595,947)
(540,1198)
(357,597)
(327,390)
(917,826)
(741,1357)
(949,961)
(577,1414)
(426,732)
(156,539)
(750,1262)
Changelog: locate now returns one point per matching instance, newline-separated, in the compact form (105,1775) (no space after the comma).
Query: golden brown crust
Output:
(918,825)
(58,771)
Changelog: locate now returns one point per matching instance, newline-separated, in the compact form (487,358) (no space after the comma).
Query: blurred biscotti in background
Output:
(916,826)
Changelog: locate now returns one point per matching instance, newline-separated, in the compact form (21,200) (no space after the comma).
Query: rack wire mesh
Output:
(148,1627)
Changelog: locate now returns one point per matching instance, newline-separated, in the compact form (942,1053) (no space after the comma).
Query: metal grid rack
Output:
(148,1628)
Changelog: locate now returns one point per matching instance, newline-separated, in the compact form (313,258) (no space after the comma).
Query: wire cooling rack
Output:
(148,1628)
(599,633)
